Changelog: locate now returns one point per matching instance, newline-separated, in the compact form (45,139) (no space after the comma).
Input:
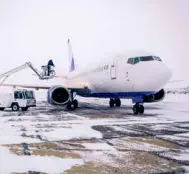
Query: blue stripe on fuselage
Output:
(116,94)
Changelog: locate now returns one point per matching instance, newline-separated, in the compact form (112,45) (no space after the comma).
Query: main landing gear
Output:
(138,108)
(73,103)
(115,102)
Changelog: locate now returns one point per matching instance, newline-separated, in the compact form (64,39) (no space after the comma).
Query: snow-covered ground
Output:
(11,162)
(168,120)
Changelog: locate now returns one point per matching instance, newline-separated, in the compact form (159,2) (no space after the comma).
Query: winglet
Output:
(70,56)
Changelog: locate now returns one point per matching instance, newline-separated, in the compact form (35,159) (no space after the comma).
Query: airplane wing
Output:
(85,89)
(56,76)
(27,86)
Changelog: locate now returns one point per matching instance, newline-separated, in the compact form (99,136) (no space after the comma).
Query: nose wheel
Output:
(138,109)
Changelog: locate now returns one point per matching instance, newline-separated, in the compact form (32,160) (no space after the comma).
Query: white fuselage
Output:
(116,75)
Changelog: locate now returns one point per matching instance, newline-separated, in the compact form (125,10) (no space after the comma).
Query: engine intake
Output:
(160,95)
(58,95)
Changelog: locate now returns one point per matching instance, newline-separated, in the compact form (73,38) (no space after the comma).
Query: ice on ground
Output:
(75,132)
(99,157)
(182,156)
(98,146)
(172,137)
(11,135)
(13,163)
(12,129)
(130,144)
(52,128)
(176,98)
(185,135)
(187,169)
(123,129)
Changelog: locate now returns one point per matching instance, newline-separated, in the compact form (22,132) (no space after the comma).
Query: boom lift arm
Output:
(42,75)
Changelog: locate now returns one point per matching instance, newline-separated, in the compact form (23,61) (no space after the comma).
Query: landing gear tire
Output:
(2,109)
(69,106)
(137,108)
(75,103)
(111,103)
(72,105)
(117,102)
(141,109)
(15,107)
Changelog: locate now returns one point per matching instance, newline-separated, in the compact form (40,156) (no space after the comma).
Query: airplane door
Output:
(113,71)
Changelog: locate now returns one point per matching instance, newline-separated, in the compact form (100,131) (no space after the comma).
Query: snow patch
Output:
(13,163)
(98,146)
(75,132)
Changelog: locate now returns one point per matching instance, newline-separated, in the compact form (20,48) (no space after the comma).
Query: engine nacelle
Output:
(58,95)
(160,95)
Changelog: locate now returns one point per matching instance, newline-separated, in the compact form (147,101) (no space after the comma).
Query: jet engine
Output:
(160,95)
(58,95)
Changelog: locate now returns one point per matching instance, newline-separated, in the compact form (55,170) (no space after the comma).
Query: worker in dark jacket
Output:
(49,65)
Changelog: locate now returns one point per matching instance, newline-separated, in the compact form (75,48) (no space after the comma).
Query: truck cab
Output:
(18,98)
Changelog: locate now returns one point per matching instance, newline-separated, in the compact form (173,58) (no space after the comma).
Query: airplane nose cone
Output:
(153,76)
(167,74)
(160,75)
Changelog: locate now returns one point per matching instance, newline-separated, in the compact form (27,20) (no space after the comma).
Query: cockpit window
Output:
(146,58)
(157,58)
(130,61)
(136,60)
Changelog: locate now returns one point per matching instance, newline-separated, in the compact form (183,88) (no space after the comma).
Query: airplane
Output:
(137,75)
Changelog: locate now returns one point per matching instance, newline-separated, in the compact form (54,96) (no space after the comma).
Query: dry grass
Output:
(126,162)
(88,168)
(155,141)
(16,150)
(59,154)
(144,161)
(45,149)
(46,145)
(45,152)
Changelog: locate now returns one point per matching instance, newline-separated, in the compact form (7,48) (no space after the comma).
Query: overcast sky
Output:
(33,30)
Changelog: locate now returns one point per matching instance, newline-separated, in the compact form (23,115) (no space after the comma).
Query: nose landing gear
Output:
(138,108)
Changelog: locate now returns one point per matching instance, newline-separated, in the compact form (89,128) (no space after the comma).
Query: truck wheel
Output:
(25,109)
(15,107)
